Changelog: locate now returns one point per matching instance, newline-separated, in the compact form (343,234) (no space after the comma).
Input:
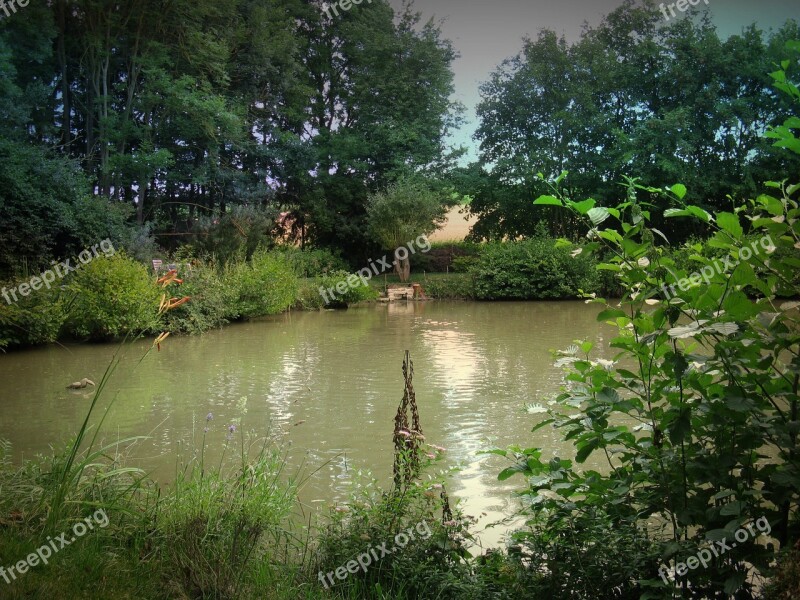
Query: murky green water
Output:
(331,381)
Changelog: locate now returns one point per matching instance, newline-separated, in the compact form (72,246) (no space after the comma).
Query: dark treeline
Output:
(187,108)
(182,116)
(635,96)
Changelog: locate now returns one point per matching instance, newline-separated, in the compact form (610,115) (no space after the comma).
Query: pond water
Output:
(329,383)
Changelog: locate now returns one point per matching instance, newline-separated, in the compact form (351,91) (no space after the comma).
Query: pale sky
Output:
(487,32)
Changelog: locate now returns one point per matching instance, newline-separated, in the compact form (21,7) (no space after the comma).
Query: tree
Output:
(380,107)
(633,97)
(405,211)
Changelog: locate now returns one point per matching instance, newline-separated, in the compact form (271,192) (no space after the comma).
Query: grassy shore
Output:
(81,524)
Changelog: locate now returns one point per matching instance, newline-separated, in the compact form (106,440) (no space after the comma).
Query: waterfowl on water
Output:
(79,385)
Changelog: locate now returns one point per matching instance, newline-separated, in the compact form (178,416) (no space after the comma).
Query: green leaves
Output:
(612,313)
(700,375)
(730,223)
(407,209)
(583,207)
(547,201)
(689,211)
(679,190)
(532,269)
(586,447)
(679,425)
(772,205)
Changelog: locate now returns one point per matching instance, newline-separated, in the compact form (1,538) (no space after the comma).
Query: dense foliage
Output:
(182,111)
(111,297)
(634,96)
(266,285)
(696,415)
(117,296)
(47,211)
(402,213)
(35,319)
(234,129)
(531,269)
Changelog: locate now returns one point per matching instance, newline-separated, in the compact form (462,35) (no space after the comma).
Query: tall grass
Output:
(227,530)
(220,532)
(216,524)
(70,476)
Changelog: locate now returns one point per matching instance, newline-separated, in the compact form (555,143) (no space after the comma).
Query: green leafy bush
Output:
(709,374)
(236,235)
(312,262)
(112,296)
(428,564)
(33,319)
(48,211)
(584,555)
(455,286)
(266,285)
(210,303)
(140,244)
(531,270)
(706,367)
(354,291)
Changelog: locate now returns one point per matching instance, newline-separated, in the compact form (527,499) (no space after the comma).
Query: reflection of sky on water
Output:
(328,384)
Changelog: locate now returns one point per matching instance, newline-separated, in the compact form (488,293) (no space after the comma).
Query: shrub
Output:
(210,301)
(313,262)
(408,209)
(786,583)
(33,319)
(532,270)
(112,296)
(430,565)
(139,243)
(353,294)
(690,372)
(239,233)
(266,285)
(456,286)
(585,555)
(48,210)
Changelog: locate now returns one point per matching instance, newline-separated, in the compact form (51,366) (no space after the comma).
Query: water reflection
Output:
(330,384)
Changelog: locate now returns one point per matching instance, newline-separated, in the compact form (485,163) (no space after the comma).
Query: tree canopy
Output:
(182,110)
(633,97)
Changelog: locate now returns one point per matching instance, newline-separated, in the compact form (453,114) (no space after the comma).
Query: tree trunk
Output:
(403,269)
(66,94)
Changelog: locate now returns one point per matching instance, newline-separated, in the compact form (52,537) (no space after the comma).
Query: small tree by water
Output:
(406,210)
